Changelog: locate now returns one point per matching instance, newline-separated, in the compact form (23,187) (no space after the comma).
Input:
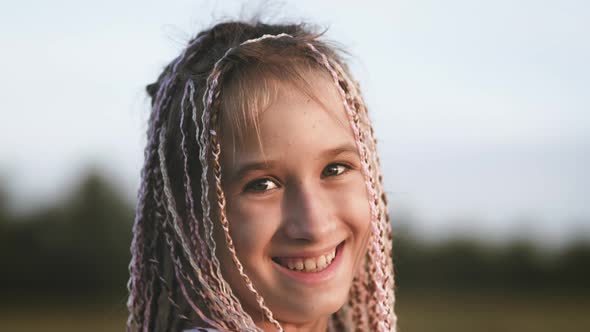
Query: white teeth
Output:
(299,265)
(321,262)
(309,264)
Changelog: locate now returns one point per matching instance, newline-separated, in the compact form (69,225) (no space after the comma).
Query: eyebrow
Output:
(347,147)
(253,166)
(262,165)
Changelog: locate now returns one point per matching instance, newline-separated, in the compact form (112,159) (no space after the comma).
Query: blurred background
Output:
(481,108)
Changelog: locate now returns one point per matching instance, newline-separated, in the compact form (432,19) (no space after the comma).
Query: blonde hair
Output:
(226,74)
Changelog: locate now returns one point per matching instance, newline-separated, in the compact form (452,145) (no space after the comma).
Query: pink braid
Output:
(385,222)
(217,303)
(217,282)
(376,247)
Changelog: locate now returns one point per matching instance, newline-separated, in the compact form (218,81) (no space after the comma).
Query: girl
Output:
(261,204)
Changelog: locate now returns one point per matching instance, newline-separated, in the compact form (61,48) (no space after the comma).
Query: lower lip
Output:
(313,278)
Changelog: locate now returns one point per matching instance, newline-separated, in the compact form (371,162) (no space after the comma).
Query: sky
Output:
(481,108)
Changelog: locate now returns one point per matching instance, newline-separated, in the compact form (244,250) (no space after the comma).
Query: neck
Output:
(320,325)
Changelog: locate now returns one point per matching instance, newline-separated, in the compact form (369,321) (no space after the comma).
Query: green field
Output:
(493,312)
(417,311)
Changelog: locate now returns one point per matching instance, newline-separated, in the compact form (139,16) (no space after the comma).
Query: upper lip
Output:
(305,253)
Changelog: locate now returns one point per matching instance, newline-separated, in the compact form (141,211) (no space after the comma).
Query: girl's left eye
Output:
(334,170)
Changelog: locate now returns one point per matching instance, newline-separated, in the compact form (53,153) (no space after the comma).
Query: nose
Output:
(308,214)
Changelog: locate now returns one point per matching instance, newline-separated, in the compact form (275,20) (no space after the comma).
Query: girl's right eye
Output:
(261,185)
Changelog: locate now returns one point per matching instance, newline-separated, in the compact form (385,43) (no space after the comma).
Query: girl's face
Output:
(297,207)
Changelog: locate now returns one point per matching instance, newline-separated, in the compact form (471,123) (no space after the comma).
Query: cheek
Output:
(252,225)
(354,206)
(251,230)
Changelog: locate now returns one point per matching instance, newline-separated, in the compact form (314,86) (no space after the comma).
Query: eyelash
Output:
(345,168)
(250,187)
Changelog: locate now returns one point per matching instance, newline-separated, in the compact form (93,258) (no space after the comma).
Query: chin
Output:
(309,308)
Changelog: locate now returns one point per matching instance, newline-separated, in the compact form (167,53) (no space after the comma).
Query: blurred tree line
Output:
(77,247)
(80,247)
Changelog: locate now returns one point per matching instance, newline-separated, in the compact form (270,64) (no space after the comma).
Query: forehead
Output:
(246,101)
(297,110)
(306,121)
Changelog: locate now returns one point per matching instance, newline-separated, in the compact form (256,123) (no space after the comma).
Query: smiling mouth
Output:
(308,264)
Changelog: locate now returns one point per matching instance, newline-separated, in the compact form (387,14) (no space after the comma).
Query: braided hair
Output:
(175,276)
